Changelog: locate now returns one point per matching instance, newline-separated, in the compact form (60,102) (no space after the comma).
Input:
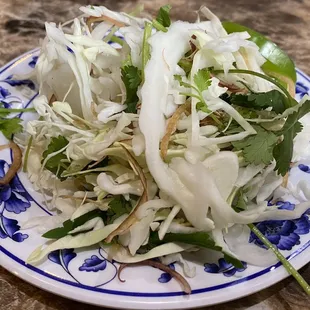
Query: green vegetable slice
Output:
(278,62)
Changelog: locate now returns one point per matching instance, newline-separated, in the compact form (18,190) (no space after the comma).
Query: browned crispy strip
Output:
(132,218)
(16,164)
(103,18)
(171,128)
(52,99)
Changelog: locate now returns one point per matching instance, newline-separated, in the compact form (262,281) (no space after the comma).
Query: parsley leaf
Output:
(10,126)
(261,101)
(118,206)
(69,225)
(283,152)
(54,163)
(163,15)
(202,79)
(258,148)
(131,76)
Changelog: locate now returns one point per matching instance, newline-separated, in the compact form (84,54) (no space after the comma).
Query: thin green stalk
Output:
(190,95)
(84,172)
(118,40)
(145,46)
(159,26)
(110,34)
(216,119)
(27,154)
(5,110)
(265,77)
(287,265)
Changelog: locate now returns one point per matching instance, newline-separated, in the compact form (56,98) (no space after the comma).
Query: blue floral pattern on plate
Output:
(4,93)
(94,264)
(82,264)
(62,257)
(15,82)
(301,89)
(304,168)
(283,234)
(227,269)
(165,277)
(13,199)
(33,61)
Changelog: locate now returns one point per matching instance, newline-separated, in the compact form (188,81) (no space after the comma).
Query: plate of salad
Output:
(150,163)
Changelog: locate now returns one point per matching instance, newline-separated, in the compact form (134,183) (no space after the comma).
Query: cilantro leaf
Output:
(54,163)
(283,152)
(261,101)
(131,76)
(294,117)
(246,113)
(257,148)
(69,225)
(118,206)
(163,16)
(10,126)
(202,79)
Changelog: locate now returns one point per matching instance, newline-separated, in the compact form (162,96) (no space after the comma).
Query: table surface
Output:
(287,22)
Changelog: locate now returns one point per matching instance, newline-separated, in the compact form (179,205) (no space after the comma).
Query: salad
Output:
(155,138)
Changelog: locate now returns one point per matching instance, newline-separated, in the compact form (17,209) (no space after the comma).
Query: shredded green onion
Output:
(5,110)
(118,40)
(111,34)
(27,154)
(146,47)
(159,26)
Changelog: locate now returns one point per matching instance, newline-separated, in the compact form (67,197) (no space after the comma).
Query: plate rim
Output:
(17,267)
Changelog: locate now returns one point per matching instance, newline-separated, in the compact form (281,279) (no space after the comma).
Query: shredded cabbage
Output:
(115,104)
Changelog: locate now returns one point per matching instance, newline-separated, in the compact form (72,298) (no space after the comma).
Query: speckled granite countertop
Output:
(287,22)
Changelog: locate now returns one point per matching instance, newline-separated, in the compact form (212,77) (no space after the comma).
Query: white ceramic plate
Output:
(86,275)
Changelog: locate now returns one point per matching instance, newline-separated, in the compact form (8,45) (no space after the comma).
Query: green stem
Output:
(27,154)
(146,46)
(159,26)
(5,110)
(287,265)
(265,77)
